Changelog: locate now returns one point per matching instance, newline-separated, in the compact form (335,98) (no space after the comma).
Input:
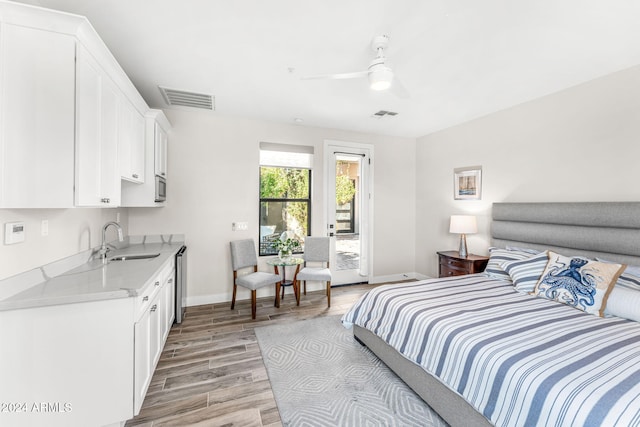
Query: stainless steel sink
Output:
(133,256)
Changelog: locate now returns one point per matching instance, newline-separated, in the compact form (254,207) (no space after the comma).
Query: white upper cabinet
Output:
(73,128)
(37,86)
(161,141)
(131,142)
(97,169)
(156,139)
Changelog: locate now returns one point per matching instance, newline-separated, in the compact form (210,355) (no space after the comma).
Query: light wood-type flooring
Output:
(211,372)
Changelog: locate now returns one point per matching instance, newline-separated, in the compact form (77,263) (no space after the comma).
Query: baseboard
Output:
(397,277)
(311,286)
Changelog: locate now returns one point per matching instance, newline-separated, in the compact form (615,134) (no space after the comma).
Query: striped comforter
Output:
(519,360)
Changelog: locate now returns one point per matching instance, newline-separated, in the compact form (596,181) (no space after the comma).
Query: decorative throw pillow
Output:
(624,302)
(579,282)
(497,257)
(629,281)
(526,273)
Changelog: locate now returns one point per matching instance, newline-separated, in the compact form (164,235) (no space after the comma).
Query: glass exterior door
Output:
(348,207)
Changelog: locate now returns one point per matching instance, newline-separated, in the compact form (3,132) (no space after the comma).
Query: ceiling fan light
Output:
(381,78)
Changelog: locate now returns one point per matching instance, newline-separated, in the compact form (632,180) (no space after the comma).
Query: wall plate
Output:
(13,233)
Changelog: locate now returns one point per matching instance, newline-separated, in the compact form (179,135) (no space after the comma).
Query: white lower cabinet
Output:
(89,363)
(151,330)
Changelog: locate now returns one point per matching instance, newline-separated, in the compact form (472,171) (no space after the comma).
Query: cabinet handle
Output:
(162,173)
(146,298)
(170,281)
(157,283)
(154,308)
(105,200)
(135,175)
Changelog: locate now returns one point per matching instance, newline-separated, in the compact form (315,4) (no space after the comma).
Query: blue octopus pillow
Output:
(578,282)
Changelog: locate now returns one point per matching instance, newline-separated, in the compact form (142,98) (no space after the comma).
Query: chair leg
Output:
(305,287)
(233,298)
(253,304)
(329,294)
(277,303)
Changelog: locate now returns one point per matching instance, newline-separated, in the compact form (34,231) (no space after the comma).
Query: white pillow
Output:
(625,303)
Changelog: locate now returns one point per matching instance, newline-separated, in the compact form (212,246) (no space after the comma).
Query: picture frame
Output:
(467,183)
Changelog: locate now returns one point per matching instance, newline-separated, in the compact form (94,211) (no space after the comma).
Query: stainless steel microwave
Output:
(161,189)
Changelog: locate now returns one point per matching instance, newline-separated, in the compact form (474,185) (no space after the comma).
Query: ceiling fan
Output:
(380,76)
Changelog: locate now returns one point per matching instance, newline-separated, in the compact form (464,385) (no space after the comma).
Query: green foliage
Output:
(284,183)
(345,189)
(287,245)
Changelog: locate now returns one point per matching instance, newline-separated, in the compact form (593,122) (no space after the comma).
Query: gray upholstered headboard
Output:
(609,230)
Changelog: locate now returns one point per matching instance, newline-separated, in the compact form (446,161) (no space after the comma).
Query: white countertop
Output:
(93,280)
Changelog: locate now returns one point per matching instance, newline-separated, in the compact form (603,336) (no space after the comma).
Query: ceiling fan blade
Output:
(399,90)
(337,76)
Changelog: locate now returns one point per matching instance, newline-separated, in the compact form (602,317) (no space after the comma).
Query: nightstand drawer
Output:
(446,271)
(453,263)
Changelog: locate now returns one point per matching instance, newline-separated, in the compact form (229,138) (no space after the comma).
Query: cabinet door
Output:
(131,142)
(161,151)
(168,306)
(37,116)
(97,172)
(142,356)
(148,346)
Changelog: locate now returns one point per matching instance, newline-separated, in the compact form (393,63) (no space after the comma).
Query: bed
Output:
(482,352)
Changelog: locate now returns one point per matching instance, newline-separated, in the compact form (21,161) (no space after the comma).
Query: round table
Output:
(290,262)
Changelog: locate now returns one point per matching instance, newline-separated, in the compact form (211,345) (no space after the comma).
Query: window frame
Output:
(283,200)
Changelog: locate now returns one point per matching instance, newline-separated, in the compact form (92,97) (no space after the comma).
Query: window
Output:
(285,193)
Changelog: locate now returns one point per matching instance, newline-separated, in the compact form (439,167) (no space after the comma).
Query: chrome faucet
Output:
(103,247)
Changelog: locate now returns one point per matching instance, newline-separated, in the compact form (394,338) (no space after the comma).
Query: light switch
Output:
(239,226)
(44,227)
(13,233)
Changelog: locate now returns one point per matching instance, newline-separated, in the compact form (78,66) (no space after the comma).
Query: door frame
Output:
(329,147)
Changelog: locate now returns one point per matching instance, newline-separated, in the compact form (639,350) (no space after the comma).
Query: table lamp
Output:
(463,225)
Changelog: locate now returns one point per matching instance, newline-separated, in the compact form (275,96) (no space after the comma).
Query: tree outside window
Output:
(285,202)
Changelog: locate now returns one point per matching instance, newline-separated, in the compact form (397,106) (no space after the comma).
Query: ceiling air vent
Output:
(183,98)
(383,113)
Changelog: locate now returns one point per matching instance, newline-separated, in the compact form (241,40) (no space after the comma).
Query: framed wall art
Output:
(467,183)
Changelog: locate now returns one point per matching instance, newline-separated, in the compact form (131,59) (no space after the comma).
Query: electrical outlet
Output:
(44,227)
(239,226)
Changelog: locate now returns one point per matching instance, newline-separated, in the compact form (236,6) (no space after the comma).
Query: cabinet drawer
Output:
(446,271)
(144,300)
(454,263)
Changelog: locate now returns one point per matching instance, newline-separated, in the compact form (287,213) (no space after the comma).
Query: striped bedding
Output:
(519,360)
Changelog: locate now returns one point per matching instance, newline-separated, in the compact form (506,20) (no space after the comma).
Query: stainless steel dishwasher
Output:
(181,283)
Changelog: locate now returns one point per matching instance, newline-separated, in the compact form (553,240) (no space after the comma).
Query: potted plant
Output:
(285,246)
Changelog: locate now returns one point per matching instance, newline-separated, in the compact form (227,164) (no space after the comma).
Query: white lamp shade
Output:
(380,77)
(463,224)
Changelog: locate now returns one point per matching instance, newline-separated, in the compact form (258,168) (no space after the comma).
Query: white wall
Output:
(70,231)
(214,178)
(580,144)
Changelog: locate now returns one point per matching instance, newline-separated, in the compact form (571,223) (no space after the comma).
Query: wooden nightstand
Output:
(451,264)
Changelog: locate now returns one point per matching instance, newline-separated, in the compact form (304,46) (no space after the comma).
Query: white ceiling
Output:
(459,59)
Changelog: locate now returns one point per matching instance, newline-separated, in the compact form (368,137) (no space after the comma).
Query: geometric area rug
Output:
(321,376)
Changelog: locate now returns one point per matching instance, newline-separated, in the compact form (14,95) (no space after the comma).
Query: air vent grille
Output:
(183,98)
(383,113)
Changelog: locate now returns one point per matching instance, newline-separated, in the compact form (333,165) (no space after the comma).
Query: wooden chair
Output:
(243,255)
(316,249)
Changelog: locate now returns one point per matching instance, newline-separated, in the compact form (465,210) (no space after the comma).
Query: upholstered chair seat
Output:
(316,250)
(243,256)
